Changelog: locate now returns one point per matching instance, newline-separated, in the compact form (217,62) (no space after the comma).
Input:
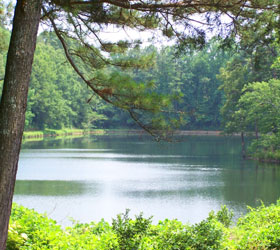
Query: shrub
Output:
(31,230)
(225,216)
(259,229)
(130,232)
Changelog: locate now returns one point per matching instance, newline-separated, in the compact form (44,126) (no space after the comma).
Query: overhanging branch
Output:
(120,96)
(179,4)
(70,60)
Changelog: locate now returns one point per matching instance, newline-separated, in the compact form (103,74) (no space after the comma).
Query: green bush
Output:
(30,230)
(259,229)
(130,232)
(225,216)
(167,235)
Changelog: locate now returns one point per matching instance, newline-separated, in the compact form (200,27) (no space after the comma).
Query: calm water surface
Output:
(98,177)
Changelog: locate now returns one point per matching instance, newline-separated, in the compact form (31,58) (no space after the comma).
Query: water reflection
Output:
(252,185)
(91,179)
(52,188)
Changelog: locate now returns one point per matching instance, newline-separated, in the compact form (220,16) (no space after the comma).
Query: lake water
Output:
(98,177)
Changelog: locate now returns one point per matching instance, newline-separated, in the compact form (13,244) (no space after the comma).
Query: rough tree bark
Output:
(14,101)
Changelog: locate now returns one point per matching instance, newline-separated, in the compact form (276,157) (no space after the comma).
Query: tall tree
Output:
(243,68)
(14,101)
(260,102)
(84,20)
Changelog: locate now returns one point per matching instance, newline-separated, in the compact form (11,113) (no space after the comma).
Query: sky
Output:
(115,34)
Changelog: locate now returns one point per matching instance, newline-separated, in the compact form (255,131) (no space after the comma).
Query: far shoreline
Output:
(41,134)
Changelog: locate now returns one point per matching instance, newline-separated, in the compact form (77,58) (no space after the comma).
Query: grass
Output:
(59,133)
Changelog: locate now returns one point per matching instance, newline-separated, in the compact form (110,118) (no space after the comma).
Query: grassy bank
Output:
(69,132)
(259,229)
(39,135)
(119,132)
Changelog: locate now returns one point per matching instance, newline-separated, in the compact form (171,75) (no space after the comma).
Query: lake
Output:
(91,178)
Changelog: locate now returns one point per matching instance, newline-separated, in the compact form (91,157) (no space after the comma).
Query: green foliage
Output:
(266,148)
(259,105)
(252,94)
(234,76)
(168,234)
(259,229)
(57,99)
(173,235)
(155,80)
(144,81)
(191,78)
(30,230)
(33,229)
(29,134)
(130,232)
(207,235)
(244,68)
(225,216)
(62,132)
(4,41)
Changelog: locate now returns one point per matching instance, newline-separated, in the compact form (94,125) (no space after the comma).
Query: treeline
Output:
(251,85)
(191,75)
(236,88)
(58,98)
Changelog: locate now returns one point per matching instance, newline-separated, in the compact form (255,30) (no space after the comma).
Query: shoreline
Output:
(80,132)
(40,134)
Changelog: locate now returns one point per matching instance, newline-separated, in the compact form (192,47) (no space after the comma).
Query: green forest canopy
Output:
(58,98)
(208,84)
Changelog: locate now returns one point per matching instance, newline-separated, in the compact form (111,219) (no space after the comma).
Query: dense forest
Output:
(59,99)
(232,88)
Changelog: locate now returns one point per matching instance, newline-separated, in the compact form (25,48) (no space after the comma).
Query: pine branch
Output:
(125,96)
(179,4)
(70,60)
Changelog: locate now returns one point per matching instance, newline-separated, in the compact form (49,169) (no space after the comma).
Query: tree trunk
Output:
(14,101)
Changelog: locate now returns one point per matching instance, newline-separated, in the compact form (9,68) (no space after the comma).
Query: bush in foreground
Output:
(259,229)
